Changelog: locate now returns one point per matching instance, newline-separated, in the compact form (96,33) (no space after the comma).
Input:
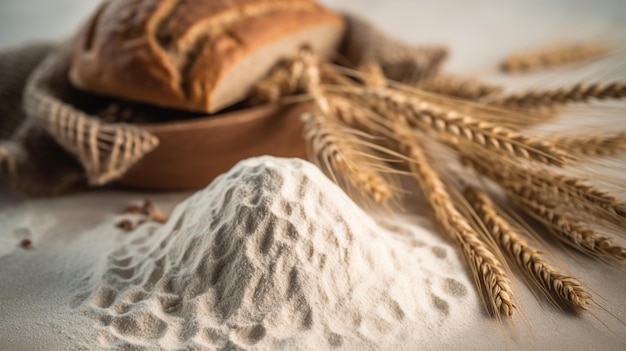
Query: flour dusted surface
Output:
(272,255)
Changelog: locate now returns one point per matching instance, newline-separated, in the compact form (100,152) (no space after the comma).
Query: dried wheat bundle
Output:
(365,126)
(552,56)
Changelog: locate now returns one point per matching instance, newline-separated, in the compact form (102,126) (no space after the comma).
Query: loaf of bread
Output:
(197,55)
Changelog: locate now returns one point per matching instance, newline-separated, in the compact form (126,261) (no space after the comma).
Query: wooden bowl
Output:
(191,153)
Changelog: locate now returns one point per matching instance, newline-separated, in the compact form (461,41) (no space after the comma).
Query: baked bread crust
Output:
(199,55)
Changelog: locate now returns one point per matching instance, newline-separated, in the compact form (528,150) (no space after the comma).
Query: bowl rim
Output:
(218,120)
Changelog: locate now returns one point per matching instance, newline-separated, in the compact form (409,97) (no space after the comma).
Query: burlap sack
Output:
(365,43)
(59,145)
(32,159)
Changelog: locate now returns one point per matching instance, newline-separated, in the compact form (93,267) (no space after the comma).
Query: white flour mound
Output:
(272,255)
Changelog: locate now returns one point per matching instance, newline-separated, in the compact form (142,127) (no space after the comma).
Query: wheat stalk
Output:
(552,56)
(358,114)
(453,127)
(571,94)
(458,87)
(528,259)
(489,273)
(592,145)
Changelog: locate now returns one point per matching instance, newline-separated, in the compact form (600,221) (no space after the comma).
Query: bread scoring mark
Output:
(189,58)
(164,38)
(185,51)
(91,31)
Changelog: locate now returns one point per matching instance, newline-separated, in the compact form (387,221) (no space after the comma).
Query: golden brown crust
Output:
(176,53)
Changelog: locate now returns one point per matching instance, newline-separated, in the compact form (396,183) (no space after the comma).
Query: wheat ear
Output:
(533,201)
(528,259)
(453,127)
(488,272)
(334,148)
(594,145)
(458,87)
(553,187)
(552,56)
(568,229)
(571,94)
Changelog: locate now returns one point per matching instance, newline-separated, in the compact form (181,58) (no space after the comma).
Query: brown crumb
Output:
(26,244)
(158,216)
(125,225)
(133,209)
(154,213)
(141,221)
(147,207)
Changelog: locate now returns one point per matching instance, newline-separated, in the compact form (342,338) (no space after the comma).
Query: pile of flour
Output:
(273,255)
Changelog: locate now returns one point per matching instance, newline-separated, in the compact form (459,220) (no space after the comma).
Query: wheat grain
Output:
(488,272)
(528,259)
(453,127)
(552,56)
(592,145)
(570,94)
